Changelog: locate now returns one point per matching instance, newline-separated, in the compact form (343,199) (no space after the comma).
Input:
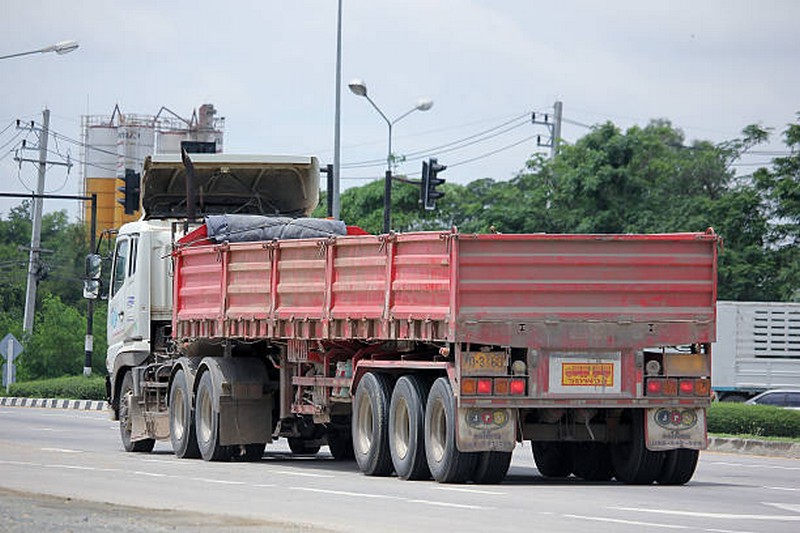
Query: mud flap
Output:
(482,429)
(669,428)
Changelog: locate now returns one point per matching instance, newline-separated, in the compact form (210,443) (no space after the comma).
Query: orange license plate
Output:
(587,374)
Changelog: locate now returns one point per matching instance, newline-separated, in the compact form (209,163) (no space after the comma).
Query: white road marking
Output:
(791,507)
(149,474)
(730,516)
(60,450)
(18,463)
(456,505)
(627,522)
(265,485)
(301,474)
(782,488)
(472,491)
(759,466)
(71,467)
(219,481)
(344,493)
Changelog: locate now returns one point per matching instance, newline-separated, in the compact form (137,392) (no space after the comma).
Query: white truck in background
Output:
(757,348)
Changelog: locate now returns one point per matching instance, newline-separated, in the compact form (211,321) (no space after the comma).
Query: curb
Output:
(52,403)
(767,448)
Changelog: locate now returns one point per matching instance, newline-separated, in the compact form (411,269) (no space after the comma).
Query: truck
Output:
(427,354)
(757,349)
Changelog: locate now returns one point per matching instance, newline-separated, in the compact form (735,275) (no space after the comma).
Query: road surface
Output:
(76,457)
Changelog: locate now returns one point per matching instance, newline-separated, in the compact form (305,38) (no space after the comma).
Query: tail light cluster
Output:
(678,387)
(502,386)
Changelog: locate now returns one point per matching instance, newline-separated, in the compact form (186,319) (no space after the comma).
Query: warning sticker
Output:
(587,374)
(575,373)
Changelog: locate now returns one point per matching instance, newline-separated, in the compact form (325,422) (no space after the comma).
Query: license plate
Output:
(587,374)
(484,363)
(669,428)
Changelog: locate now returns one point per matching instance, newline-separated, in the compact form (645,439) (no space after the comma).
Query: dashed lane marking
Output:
(301,474)
(472,491)
(792,489)
(626,522)
(454,505)
(345,493)
(217,481)
(729,516)
(60,450)
(760,466)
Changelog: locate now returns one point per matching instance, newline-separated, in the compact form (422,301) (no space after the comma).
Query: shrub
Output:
(757,420)
(69,387)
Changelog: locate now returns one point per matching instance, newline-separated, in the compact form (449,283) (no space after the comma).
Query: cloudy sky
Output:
(711,67)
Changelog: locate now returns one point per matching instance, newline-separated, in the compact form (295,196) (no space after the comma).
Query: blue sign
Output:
(10,347)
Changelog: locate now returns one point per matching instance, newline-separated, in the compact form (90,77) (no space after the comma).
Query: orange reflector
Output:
(687,387)
(517,387)
(670,387)
(702,387)
(469,386)
(501,386)
(655,387)
(484,386)
(686,364)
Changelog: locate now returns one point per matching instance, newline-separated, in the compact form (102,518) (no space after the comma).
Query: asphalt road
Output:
(75,459)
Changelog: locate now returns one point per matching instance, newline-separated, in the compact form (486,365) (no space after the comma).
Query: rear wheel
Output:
(181,421)
(553,459)
(253,452)
(370,425)
(125,422)
(340,443)
(446,462)
(492,467)
(679,467)
(633,463)
(407,428)
(591,461)
(301,446)
(207,422)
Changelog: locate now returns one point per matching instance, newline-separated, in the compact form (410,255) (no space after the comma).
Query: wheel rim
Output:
(401,430)
(364,426)
(178,411)
(438,431)
(205,420)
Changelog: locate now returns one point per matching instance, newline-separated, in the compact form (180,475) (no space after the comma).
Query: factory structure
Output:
(119,141)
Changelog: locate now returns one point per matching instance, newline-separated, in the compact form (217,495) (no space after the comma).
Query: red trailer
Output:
(435,353)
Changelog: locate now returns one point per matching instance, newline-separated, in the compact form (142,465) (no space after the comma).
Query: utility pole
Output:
(554,126)
(335,179)
(36,231)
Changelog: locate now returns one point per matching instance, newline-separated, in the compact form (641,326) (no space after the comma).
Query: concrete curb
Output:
(767,448)
(52,403)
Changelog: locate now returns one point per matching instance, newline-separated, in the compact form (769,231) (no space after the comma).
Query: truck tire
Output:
(181,418)
(340,443)
(253,452)
(125,398)
(591,461)
(303,446)
(492,467)
(407,428)
(206,421)
(447,464)
(633,463)
(370,425)
(553,459)
(679,467)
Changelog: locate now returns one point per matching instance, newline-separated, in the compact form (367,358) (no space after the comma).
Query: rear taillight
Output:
(484,386)
(517,387)
(655,387)
(686,387)
(469,386)
(702,387)
(501,387)
(675,387)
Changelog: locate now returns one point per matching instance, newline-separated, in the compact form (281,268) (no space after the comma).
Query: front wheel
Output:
(181,421)
(206,419)
(125,422)
(446,462)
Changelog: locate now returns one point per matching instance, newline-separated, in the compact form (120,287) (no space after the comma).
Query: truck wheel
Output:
(303,446)
(181,419)
(206,421)
(679,466)
(553,459)
(591,461)
(407,428)
(340,443)
(253,452)
(125,422)
(446,462)
(492,467)
(633,463)
(370,425)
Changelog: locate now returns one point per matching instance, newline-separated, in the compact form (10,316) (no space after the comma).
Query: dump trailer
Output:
(424,354)
(757,348)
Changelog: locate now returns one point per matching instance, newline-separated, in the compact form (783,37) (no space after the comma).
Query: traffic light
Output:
(130,191)
(430,181)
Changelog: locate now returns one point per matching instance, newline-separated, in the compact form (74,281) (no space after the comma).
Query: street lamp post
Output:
(359,88)
(64,47)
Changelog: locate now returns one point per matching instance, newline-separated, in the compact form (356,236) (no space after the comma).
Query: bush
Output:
(757,420)
(69,387)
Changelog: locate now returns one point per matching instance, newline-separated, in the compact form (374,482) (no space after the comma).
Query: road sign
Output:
(10,347)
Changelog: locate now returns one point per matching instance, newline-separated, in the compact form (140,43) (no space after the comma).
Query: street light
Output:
(64,47)
(359,88)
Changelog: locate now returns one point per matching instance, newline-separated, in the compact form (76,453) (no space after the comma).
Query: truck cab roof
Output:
(225,183)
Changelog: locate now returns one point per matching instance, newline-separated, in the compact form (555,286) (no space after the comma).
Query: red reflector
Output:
(517,387)
(655,387)
(484,386)
(686,387)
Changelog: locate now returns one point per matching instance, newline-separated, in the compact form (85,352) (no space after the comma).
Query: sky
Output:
(710,67)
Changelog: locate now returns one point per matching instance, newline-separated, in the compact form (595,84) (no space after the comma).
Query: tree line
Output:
(642,180)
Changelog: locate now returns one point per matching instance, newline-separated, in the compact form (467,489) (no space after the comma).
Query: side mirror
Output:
(94,266)
(91,289)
